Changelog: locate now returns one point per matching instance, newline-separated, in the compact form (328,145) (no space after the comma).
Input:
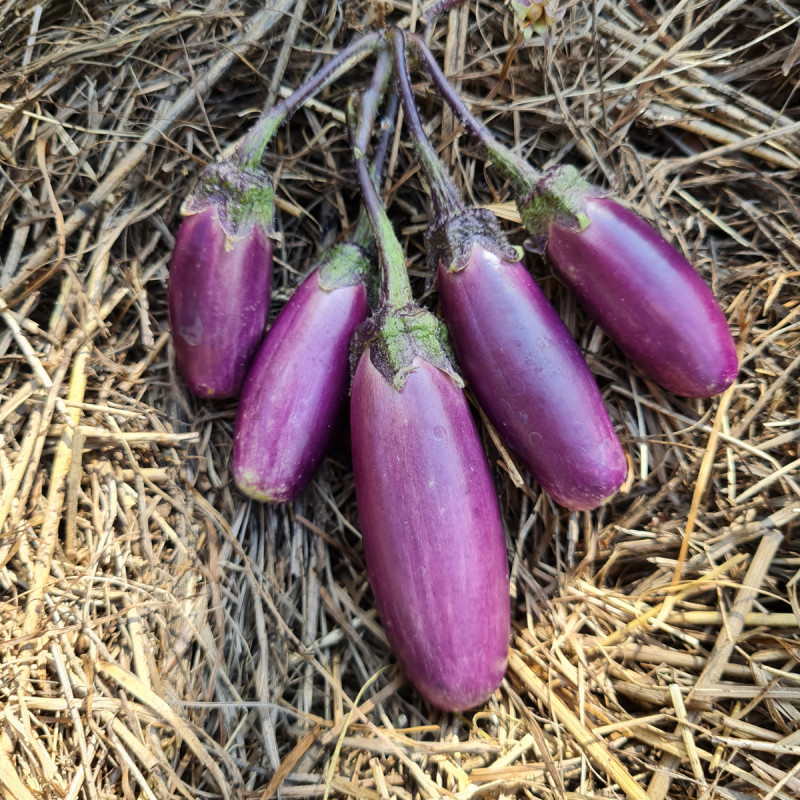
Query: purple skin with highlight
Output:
(218,303)
(295,390)
(433,538)
(647,297)
(531,379)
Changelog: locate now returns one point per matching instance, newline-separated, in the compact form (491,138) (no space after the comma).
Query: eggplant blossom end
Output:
(250,484)
(242,197)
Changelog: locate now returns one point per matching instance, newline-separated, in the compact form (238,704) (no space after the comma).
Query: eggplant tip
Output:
(590,489)
(249,484)
(461,696)
(713,385)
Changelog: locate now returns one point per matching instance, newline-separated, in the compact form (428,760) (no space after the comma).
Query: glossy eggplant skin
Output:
(218,303)
(295,390)
(531,379)
(647,297)
(432,533)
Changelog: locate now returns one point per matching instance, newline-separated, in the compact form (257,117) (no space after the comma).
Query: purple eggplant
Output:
(527,372)
(430,523)
(432,534)
(220,277)
(638,288)
(298,381)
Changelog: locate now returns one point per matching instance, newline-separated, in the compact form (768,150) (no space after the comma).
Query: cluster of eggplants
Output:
(293,380)
(221,270)
(531,379)
(527,372)
(432,531)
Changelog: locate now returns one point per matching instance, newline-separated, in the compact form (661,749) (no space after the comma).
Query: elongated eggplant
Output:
(220,277)
(525,369)
(430,522)
(641,291)
(647,298)
(298,381)
(431,527)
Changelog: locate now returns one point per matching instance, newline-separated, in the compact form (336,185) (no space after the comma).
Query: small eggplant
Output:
(298,380)
(520,360)
(528,374)
(638,288)
(432,533)
(220,278)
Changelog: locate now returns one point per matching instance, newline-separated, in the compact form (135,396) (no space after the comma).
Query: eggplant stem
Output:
(361,109)
(445,197)
(362,232)
(251,150)
(508,163)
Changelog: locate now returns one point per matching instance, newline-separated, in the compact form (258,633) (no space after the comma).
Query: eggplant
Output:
(220,277)
(432,534)
(524,367)
(638,288)
(433,538)
(298,381)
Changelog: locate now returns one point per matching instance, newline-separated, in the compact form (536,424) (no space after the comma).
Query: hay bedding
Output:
(162,637)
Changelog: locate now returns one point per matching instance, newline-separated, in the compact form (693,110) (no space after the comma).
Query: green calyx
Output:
(451,242)
(396,336)
(347,264)
(243,197)
(558,197)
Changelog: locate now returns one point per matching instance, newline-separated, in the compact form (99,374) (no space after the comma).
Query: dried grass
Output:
(162,637)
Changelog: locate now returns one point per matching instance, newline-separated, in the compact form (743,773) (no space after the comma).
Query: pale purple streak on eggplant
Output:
(647,298)
(295,390)
(531,379)
(433,538)
(218,303)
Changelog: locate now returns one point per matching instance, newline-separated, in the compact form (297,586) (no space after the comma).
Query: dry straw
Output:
(160,637)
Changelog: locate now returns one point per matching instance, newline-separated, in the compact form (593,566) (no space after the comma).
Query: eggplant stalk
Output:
(251,151)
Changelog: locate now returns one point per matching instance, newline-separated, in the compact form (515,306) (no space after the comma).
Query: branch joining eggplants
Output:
(251,150)
(507,162)
(638,288)
(432,534)
(298,382)
(221,269)
(526,370)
